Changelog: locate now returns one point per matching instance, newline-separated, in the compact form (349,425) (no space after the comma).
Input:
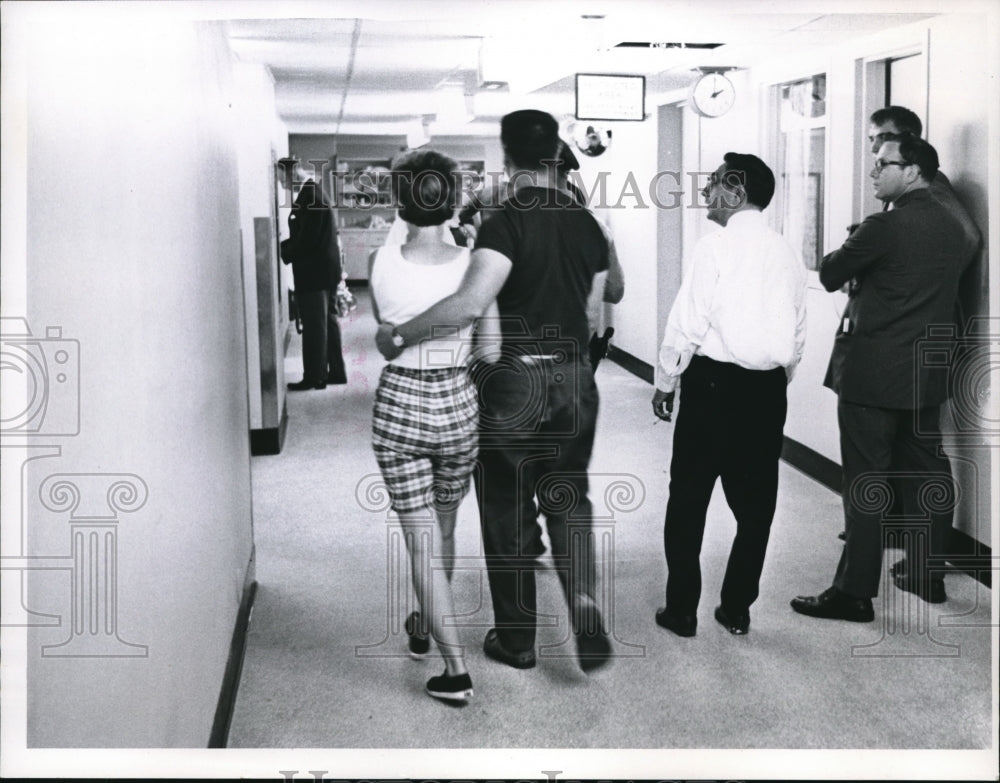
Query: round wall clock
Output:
(712,95)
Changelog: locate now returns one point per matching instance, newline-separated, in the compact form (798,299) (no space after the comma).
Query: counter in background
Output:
(357,244)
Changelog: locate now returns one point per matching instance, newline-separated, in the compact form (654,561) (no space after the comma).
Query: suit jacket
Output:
(311,247)
(906,263)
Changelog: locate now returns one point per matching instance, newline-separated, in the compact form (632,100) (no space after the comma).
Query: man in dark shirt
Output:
(543,257)
(907,262)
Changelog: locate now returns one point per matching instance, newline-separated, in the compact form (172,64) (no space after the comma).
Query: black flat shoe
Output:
(419,646)
(305,386)
(736,624)
(832,604)
(494,649)
(681,624)
(928,589)
(457,688)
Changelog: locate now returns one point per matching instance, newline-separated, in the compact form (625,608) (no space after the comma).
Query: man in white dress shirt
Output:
(733,339)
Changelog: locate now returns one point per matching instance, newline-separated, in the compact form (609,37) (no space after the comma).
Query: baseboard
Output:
(270,440)
(970,556)
(624,359)
(817,467)
(234,665)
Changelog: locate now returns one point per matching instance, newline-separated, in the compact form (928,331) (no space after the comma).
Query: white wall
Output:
(132,237)
(626,206)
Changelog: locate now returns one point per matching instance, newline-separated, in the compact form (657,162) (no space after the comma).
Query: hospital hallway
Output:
(326,665)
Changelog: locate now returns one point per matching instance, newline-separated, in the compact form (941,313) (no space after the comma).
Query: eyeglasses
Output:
(881,164)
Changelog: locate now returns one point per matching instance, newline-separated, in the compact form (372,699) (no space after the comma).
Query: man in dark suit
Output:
(906,264)
(313,252)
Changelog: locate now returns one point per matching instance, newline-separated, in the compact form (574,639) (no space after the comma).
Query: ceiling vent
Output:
(665,45)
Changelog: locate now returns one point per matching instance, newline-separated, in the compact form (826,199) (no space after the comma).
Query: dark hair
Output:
(530,137)
(904,120)
(913,149)
(425,185)
(755,177)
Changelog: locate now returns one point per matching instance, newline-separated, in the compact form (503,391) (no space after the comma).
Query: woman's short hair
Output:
(426,187)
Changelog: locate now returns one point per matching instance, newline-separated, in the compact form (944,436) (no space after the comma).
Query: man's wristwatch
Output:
(397,338)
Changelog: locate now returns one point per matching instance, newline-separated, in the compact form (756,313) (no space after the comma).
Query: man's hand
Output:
(663,405)
(384,343)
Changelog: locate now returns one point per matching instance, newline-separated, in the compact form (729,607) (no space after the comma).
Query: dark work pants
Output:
(314,312)
(729,425)
(334,350)
(883,452)
(537,424)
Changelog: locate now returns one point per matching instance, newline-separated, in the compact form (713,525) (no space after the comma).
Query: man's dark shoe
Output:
(738,624)
(336,380)
(419,644)
(680,624)
(832,604)
(494,649)
(593,650)
(304,385)
(930,589)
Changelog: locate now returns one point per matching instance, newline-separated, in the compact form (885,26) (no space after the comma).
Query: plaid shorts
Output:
(424,432)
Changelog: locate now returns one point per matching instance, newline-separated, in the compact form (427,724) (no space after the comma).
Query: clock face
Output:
(713,95)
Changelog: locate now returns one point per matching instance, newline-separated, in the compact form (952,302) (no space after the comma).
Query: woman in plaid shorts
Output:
(426,412)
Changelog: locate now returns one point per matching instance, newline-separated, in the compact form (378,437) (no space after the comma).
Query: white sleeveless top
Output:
(404,289)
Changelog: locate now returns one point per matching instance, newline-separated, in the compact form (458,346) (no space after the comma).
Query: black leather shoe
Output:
(736,624)
(336,380)
(930,589)
(494,649)
(593,650)
(304,385)
(832,604)
(680,624)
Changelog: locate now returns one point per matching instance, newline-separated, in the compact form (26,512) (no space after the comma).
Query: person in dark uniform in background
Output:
(543,258)
(907,263)
(314,253)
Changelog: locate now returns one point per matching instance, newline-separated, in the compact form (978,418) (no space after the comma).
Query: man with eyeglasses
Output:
(908,262)
(734,337)
(890,124)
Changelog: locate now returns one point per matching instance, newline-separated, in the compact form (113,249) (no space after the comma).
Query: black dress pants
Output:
(537,424)
(314,312)
(729,425)
(322,352)
(888,453)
